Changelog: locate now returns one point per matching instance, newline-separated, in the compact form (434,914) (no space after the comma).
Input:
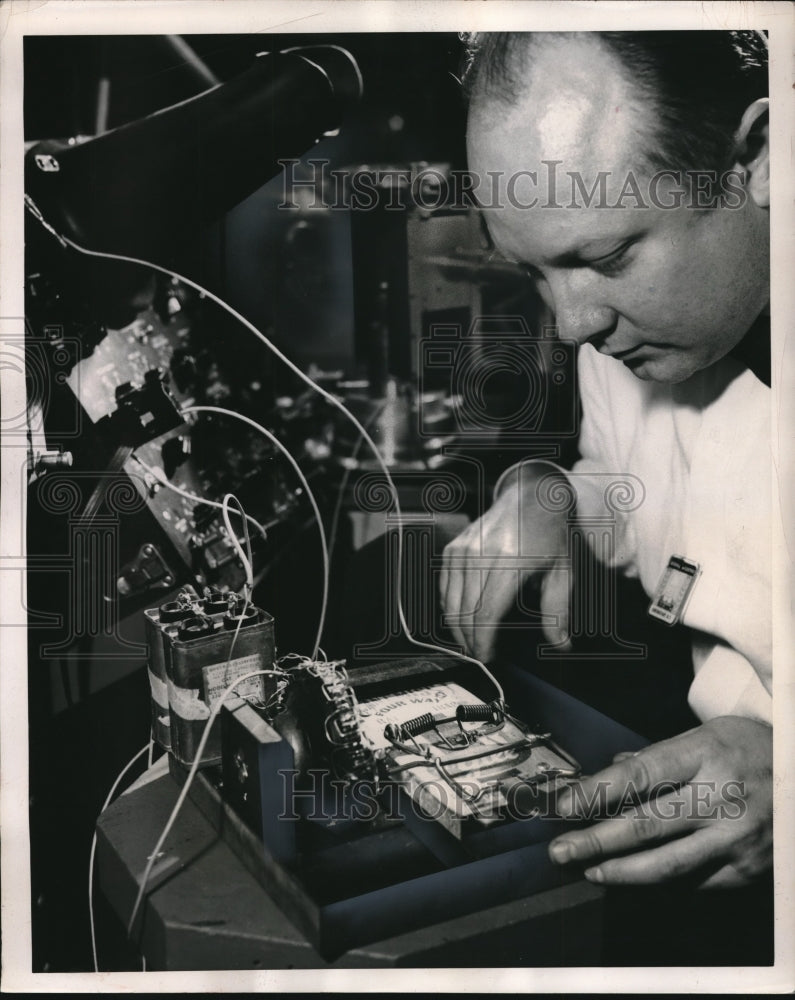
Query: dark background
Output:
(412,110)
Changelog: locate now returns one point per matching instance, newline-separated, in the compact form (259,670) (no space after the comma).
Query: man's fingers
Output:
(443,581)
(450,587)
(474,604)
(648,823)
(475,593)
(460,586)
(497,592)
(471,601)
(452,604)
(474,598)
(650,770)
(555,602)
(661,864)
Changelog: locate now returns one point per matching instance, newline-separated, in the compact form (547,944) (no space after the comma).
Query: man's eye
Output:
(612,263)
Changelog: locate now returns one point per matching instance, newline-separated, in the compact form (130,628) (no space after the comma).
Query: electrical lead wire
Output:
(222,410)
(214,712)
(105,805)
(261,528)
(323,393)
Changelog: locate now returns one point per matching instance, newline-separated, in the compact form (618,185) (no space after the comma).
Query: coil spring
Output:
(422,724)
(492,712)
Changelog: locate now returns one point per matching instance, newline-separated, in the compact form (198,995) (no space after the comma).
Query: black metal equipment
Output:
(134,346)
(394,798)
(159,181)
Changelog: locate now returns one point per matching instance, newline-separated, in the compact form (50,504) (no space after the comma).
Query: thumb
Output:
(556,590)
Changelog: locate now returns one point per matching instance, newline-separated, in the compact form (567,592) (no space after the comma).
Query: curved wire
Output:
(323,393)
(245,557)
(105,805)
(310,496)
(186,787)
(261,528)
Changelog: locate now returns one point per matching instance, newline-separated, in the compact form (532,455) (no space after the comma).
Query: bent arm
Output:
(520,536)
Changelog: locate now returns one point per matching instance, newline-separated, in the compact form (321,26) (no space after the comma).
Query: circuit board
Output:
(208,454)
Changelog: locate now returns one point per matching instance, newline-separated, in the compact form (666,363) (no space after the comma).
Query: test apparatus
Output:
(369,800)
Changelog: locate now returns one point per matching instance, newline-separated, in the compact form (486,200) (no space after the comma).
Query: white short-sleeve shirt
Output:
(702,450)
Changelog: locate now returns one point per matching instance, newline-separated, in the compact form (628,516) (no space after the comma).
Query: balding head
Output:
(695,84)
(568,100)
(563,145)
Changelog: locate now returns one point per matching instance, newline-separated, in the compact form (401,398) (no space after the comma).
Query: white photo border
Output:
(96,17)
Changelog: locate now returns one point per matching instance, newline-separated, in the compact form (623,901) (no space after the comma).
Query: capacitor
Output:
(196,627)
(236,616)
(172,611)
(215,602)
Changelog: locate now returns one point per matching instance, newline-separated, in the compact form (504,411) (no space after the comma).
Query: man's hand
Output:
(700,804)
(485,566)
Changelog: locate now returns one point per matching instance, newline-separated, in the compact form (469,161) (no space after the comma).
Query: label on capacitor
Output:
(218,676)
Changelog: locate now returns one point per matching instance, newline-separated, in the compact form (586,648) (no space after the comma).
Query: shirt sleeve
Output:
(726,683)
(601,477)
(600,474)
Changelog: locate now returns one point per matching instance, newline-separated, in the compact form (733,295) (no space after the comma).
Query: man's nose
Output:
(579,313)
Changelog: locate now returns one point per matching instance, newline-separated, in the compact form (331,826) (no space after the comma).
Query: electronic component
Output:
(131,387)
(147,571)
(457,759)
(41,461)
(157,620)
(310,738)
(354,834)
(197,647)
(326,710)
(143,411)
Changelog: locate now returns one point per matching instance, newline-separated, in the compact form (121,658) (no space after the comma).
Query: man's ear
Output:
(752,151)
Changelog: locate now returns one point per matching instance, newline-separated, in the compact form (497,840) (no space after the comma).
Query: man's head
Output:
(573,130)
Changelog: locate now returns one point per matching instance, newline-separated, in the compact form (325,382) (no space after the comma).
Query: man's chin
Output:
(666,370)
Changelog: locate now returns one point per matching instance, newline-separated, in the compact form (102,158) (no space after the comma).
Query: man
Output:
(588,148)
